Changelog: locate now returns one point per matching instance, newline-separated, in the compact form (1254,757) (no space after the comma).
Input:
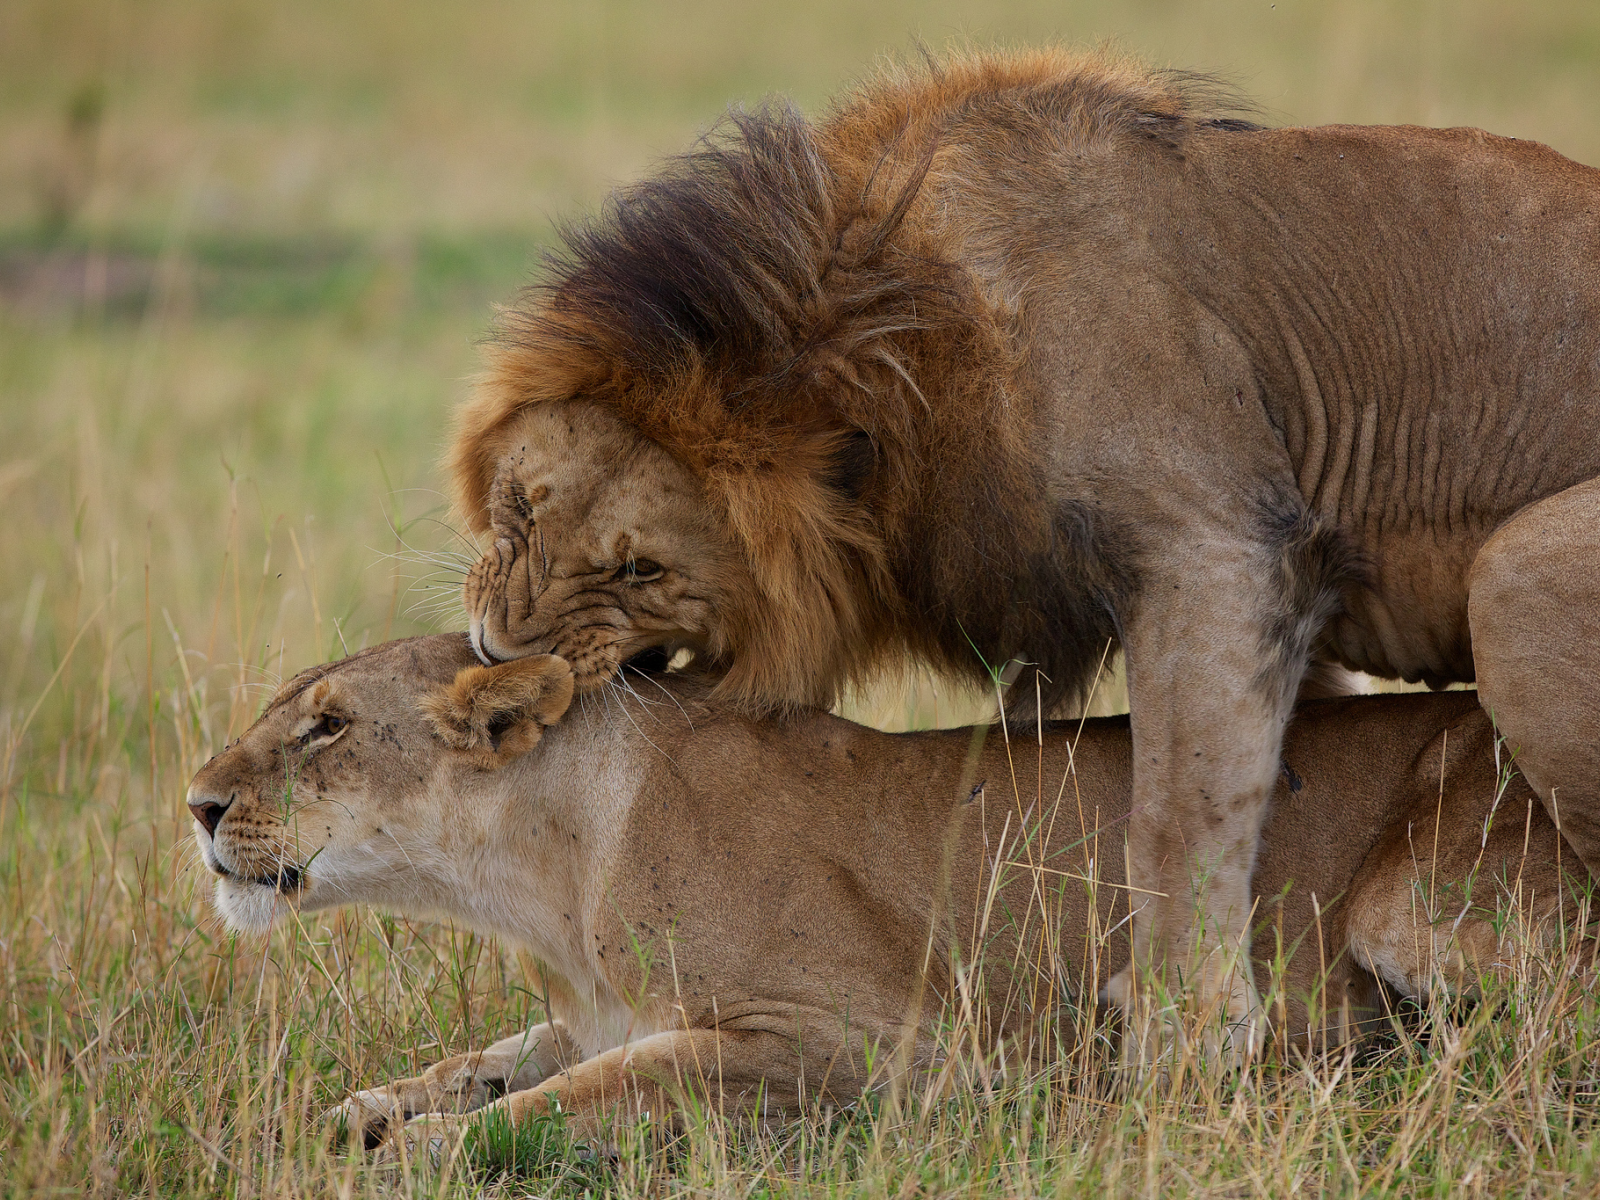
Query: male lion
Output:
(1024,354)
(755,953)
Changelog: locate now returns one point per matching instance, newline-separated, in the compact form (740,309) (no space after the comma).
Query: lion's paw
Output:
(367,1119)
(430,1139)
(1221,1018)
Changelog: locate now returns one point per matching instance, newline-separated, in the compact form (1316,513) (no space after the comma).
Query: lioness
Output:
(746,908)
(1024,354)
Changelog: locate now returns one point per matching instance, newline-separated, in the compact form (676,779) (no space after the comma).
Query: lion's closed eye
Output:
(639,570)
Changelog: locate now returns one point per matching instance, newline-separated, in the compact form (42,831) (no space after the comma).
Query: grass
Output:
(245,250)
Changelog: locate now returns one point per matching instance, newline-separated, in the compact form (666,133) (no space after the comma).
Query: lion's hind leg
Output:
(1534,613)
(1440,905)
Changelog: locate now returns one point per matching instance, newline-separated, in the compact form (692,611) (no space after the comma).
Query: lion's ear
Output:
(500,712)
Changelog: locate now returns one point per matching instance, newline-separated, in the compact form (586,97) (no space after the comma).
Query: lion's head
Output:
(318,803)
(605,549)
(771,375)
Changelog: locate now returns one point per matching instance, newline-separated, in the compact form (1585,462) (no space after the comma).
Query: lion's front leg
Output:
(458,1084)
(1216,648)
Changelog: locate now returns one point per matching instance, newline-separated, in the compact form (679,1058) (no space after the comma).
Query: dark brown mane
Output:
(717,260)
(779,309)
(732,258)
(747,264)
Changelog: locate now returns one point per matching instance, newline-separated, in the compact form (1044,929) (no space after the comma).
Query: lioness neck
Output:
(526,857)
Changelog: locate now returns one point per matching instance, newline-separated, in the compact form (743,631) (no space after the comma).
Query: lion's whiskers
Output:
(610,690)
(447,570)
(665,691)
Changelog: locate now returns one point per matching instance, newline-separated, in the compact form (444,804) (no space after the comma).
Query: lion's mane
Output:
(778,310)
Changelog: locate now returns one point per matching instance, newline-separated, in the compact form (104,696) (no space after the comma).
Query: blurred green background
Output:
(246,248)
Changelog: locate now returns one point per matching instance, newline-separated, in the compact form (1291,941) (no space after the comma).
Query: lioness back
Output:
(819,853)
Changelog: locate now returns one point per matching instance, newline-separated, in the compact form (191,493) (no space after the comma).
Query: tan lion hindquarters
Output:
(1534,609)
(1466,883)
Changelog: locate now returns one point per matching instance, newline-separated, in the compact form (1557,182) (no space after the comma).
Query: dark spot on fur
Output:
(1230,125)
(499,725)
(852,465)
(649,662)
(1314,567)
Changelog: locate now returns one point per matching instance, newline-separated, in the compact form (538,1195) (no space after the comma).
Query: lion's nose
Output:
(208,811)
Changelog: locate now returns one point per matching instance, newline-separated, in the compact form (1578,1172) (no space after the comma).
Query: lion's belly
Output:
(1412,622)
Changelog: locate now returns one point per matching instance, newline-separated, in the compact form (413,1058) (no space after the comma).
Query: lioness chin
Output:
(751,910)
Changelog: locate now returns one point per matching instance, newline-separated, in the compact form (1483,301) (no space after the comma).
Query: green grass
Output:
(245,251)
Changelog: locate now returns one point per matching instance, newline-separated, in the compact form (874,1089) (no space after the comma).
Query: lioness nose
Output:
(208,811)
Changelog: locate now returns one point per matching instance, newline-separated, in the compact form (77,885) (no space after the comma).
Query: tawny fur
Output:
(1013,356)
(740,908)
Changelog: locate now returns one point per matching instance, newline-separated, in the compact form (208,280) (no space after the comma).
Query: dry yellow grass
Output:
(244,251)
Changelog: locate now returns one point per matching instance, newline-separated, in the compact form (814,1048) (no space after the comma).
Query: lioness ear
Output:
(500,712)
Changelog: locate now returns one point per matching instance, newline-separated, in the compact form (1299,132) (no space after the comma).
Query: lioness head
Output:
(317,804)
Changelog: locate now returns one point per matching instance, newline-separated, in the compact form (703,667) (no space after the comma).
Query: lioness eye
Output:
(639,570)
(331,724)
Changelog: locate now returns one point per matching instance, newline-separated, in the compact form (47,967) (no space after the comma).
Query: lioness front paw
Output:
(431,1138)
(367,1118)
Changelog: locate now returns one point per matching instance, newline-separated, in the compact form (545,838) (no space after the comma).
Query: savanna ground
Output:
(245,249)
